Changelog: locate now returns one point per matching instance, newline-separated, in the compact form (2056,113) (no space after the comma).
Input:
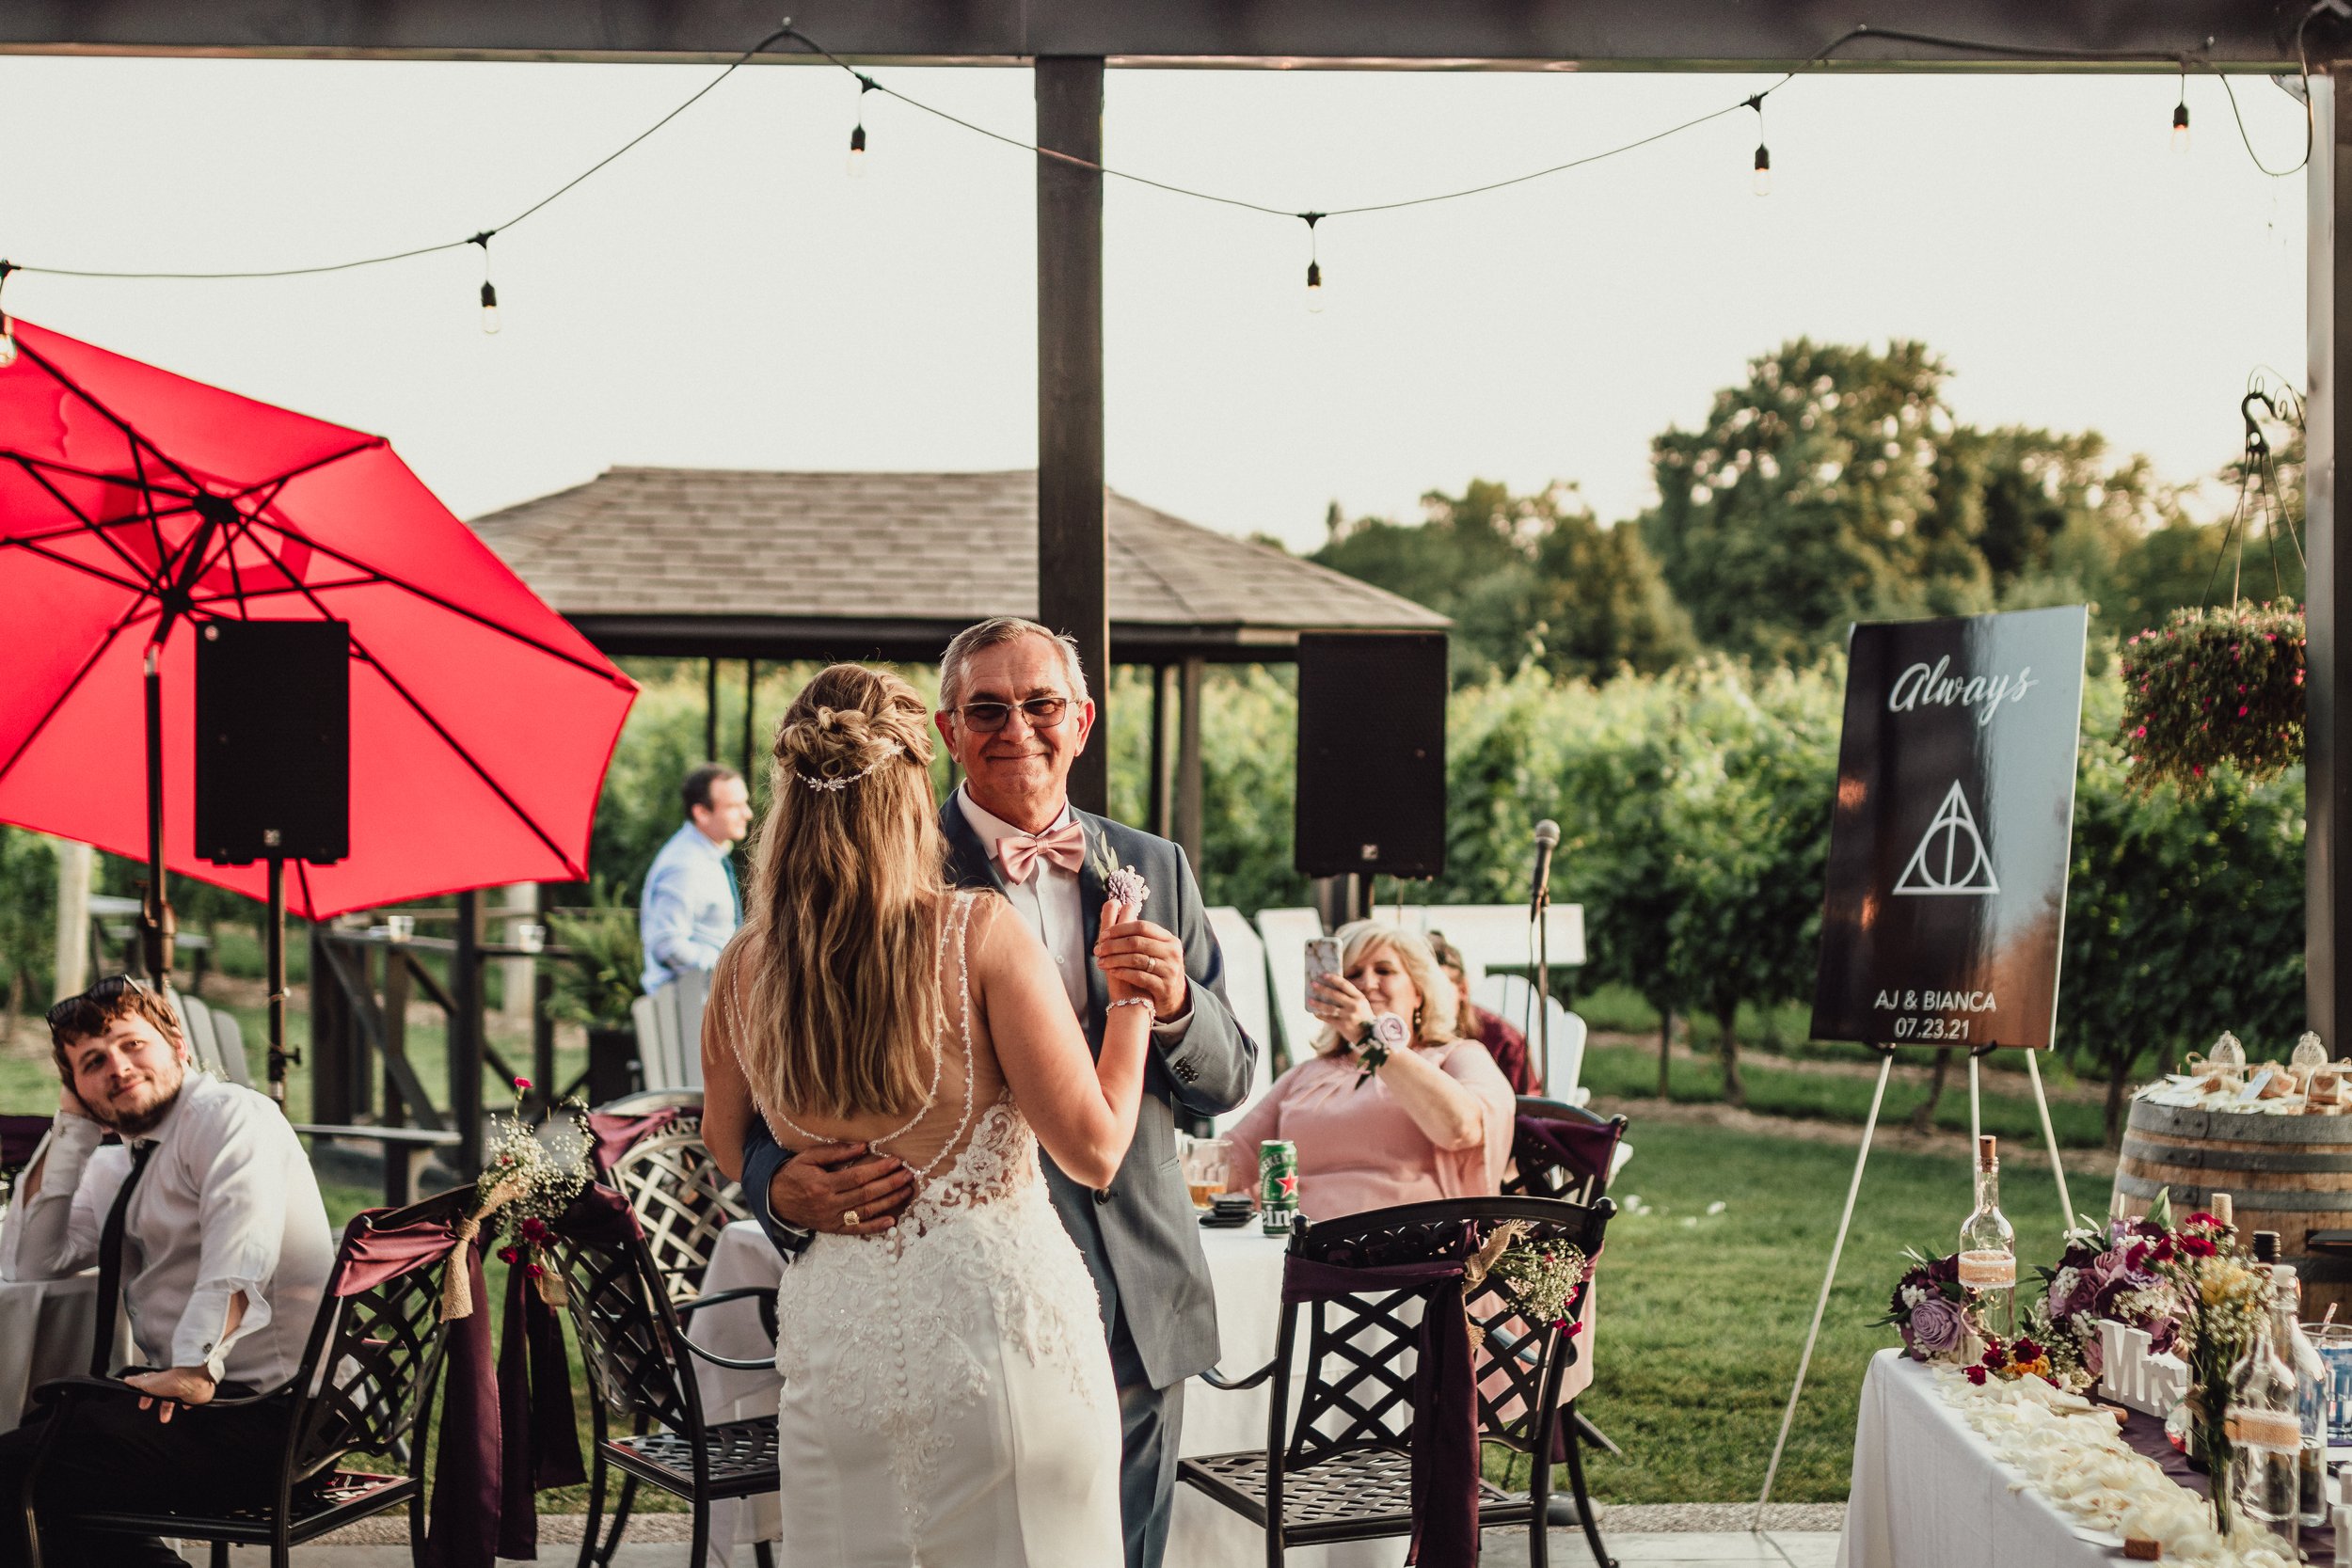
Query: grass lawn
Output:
(1630,1071)
(1701,1315)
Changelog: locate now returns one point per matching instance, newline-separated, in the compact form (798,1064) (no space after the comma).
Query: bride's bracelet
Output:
(1127,1002)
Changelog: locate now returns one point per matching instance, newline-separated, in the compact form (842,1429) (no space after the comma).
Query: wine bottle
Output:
(1988,1249)
(2265,1424)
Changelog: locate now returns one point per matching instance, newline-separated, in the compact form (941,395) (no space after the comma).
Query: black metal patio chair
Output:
(1561,1151)
(630,1333)
(1339,1466)
(681,1197)
(365,1387)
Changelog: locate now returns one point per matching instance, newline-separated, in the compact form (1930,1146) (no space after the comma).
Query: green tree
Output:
(1526,577)
(28,921)
(1807,500)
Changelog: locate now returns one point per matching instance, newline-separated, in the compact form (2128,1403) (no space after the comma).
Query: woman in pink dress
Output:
(1421,1115)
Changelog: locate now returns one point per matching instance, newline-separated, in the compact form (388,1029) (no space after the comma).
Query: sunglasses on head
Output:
(1042,713)
(88,1013)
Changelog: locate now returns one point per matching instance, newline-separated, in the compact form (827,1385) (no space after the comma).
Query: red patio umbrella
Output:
(135,504)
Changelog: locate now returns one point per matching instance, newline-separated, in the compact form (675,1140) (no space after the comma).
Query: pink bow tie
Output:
(1065,847)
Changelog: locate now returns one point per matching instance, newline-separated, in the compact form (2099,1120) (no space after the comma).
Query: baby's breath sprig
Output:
(530,1176)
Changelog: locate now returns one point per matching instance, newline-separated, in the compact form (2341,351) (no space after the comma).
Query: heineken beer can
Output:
(1277,1185)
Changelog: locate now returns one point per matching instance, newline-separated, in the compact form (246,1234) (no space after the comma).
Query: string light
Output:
(1763,153)
(1314,266)
(7,323)
(489,292)
(2180,114)
(857,138)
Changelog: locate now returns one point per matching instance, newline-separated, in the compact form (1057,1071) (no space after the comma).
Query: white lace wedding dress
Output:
(947,1394)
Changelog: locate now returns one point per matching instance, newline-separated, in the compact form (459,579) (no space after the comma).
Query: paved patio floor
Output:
(1666,1550)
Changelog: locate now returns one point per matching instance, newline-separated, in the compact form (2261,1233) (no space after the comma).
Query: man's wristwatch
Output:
(1383,1035)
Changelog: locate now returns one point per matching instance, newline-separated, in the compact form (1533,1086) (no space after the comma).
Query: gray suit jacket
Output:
(1139,1235)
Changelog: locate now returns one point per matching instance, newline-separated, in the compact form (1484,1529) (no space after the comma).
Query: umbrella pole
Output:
(275,943)
(155,922)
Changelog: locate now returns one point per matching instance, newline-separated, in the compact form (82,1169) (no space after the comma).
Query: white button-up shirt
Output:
(1048,901)
(228,1204)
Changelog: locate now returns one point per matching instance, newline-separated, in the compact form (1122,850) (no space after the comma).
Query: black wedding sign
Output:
(1950,838)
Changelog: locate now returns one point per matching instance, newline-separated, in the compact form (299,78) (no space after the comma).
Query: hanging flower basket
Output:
(2215,686)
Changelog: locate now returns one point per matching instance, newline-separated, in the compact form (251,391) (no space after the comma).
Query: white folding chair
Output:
(196,1022)
(1287,933)
(229,1036)
(670,1032)
(1245,993)
(1513,997)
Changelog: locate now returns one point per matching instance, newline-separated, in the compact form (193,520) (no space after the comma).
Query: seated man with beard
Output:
(218,1237)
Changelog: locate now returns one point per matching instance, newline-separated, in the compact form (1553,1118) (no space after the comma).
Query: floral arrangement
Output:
(2024,1356)
(2101,1275)
(2214,686)
(530,1176)
(1544,1275)
(1930,1309)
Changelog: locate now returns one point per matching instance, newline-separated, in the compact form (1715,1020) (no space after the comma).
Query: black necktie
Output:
(110,1263)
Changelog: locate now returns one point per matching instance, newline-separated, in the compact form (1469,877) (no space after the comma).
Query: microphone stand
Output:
(1538,907)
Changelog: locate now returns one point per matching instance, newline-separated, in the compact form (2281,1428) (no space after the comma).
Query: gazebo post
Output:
(1188,834)
(751,698)
(2327,776)
(1161,817)
(710,708)
(1072,516)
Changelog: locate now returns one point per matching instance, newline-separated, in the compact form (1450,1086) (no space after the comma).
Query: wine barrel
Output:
(2288,1174)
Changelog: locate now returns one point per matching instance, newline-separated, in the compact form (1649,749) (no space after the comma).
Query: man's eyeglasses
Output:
(1042,713)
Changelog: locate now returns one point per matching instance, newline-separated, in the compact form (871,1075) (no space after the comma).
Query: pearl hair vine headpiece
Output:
(846,780)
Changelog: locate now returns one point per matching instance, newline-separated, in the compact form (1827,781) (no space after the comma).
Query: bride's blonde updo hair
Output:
(840,942)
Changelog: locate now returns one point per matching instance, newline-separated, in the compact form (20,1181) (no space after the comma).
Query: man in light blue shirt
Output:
(692,903)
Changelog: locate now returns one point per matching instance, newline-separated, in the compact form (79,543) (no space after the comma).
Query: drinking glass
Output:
(1204,1171)
(400,927)
(2334,1343)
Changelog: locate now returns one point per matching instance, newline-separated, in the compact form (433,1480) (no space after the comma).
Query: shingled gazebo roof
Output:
(740,564)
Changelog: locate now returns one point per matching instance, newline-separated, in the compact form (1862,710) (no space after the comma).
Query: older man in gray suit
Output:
(1015,712)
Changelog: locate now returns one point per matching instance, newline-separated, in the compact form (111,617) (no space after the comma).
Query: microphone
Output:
(1540,887)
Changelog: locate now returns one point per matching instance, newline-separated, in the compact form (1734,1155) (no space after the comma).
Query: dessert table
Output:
(1929,1491)
(1246,1269)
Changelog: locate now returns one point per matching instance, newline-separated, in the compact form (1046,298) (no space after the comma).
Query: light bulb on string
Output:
(1314,266)
(2180,113)
(1762,184)
(489,293)
(857,137)
(7,323)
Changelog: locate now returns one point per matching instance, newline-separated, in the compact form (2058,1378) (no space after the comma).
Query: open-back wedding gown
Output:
(947,1394)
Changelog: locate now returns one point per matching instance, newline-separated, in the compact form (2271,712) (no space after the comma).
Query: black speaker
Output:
(1372,753)
(273,741)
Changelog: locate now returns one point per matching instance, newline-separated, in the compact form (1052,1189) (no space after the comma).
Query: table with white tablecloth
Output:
(45,1329)
(1246,1269)
(1928,1491)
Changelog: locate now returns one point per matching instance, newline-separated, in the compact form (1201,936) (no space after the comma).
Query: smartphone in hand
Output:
(1322,958)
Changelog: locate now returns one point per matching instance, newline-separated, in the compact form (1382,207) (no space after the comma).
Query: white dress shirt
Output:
(228,1204)
(688,910)
(1049,903)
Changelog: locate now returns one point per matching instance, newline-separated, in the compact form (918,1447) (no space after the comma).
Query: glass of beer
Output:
(1204,1171)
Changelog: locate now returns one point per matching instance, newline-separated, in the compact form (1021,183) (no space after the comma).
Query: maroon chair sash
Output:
(1445,1396)
(538,1437)
(1576,1146)
(612,1135)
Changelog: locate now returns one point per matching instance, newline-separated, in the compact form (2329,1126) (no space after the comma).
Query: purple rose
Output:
(1934,1328)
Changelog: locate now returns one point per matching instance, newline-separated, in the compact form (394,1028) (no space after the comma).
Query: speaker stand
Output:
(1541,907)
(274,941)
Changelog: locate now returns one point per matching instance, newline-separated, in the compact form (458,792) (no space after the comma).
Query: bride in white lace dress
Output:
(947,1393)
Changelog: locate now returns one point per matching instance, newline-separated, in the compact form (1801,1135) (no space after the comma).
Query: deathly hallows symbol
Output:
(1951,857)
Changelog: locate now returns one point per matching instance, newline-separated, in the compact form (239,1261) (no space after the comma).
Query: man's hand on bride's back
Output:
(819,1188)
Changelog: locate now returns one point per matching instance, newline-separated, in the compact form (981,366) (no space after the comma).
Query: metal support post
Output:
(2327,779)
(1820,1304)
(1073,528)
(1189,782)
(465,1035)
